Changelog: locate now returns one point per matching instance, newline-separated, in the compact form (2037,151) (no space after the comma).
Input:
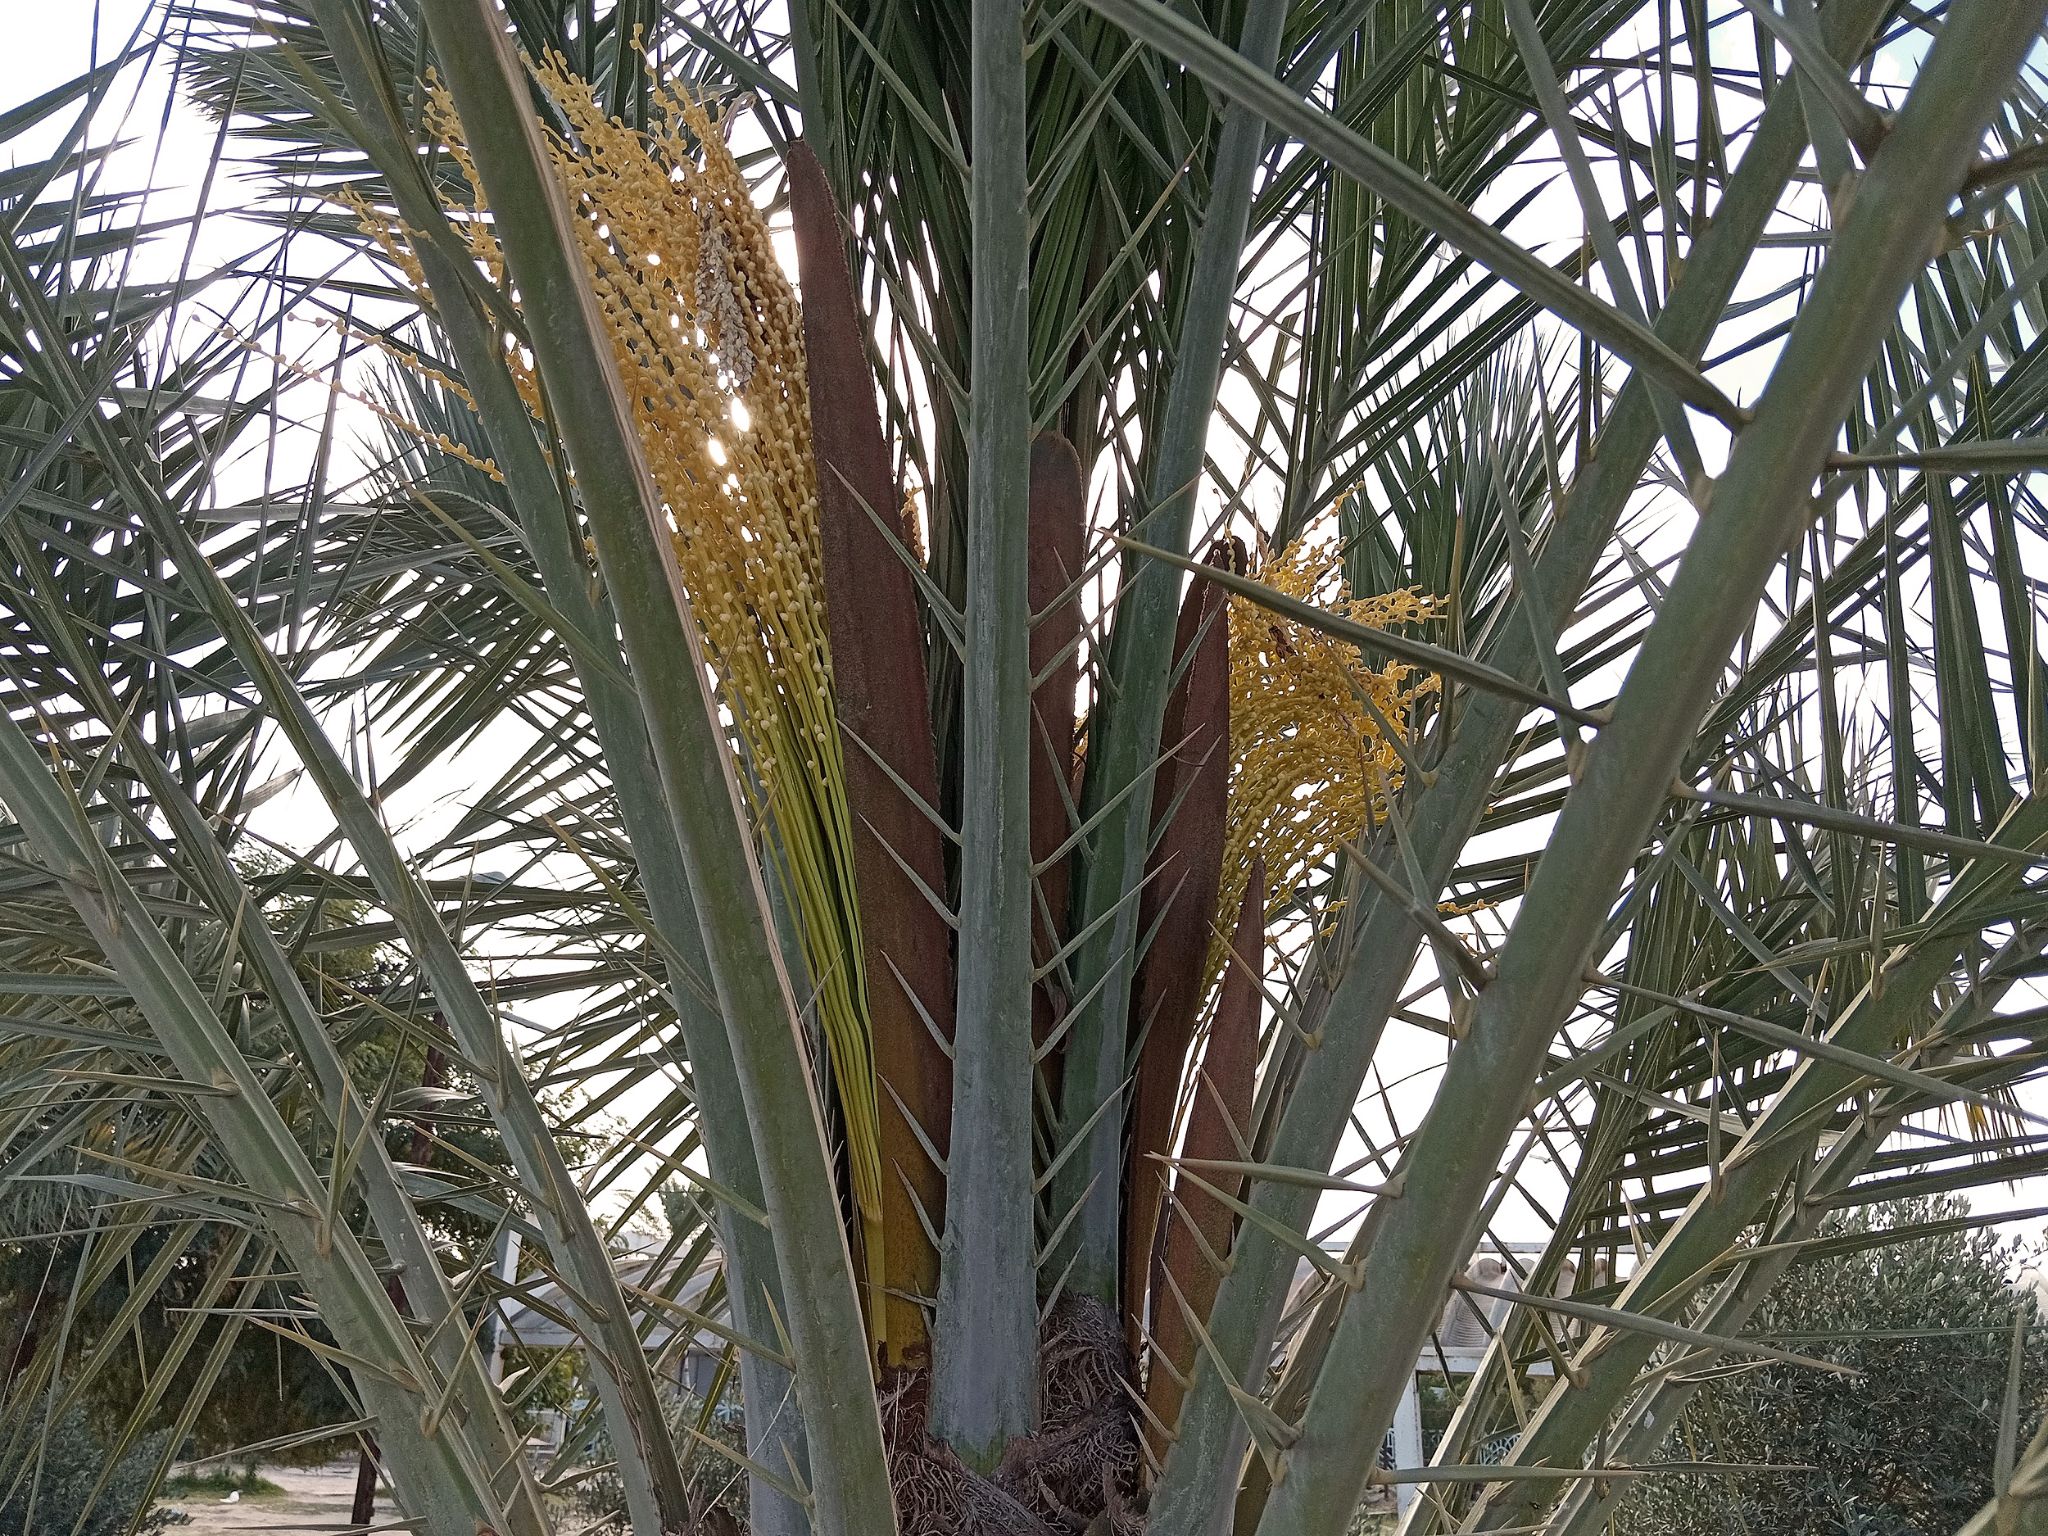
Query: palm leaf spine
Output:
(754,1285)
(879,700)
(1755,1169)
(984,1375)
(1358,998)
(1124,737)
(1178,909)
(425,1287)
(1759,502)
(849,1479)
(1059,534)
(1636,1437)
(1219,1125)
(621,1373)
(447,1488)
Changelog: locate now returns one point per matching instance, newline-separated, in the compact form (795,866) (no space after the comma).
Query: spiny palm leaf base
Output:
(1078,1474)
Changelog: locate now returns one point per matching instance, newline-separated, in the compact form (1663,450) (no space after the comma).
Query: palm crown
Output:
(1057,575)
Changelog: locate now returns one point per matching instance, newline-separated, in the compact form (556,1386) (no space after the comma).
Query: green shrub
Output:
(1903,1449)
(58,1499)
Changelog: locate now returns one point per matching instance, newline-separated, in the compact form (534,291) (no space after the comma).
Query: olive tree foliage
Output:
(1922,1309)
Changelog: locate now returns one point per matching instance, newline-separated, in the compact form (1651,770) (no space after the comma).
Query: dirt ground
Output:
(313,1499)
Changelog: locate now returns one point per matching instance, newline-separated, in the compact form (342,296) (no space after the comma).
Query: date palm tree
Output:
(962,626)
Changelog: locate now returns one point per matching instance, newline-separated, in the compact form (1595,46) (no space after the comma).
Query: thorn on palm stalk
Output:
(879,698)
(1059,512)
(706,337)
(1217,1125)
(1189,808)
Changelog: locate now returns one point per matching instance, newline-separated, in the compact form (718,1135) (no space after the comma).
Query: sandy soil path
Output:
(314,1500)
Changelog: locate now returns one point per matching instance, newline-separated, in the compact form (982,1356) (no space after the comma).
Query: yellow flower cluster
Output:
(1310,764)
(708,338)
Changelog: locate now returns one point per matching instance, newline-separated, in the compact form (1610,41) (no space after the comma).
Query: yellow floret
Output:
(1310,765)
(708,338)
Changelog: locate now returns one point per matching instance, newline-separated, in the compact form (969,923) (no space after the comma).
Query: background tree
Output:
(1907,1444)
(120,1328)
(76,1489)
